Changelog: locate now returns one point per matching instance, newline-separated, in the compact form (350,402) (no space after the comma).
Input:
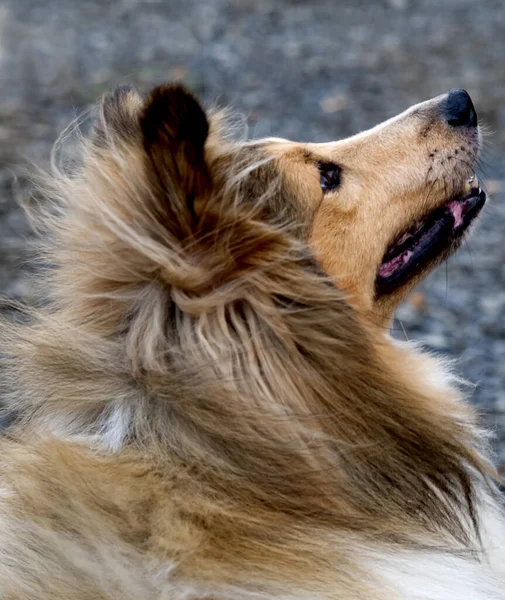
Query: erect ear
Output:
(174,129)
(118,117)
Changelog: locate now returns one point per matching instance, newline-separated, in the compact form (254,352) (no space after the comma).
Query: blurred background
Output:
(315,71)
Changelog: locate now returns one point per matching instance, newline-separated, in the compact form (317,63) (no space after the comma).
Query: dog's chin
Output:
(429,241)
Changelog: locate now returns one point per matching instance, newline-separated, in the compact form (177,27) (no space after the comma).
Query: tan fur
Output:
(208,406)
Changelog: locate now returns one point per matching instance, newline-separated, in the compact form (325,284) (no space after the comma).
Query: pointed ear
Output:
(118,117)
(174,128)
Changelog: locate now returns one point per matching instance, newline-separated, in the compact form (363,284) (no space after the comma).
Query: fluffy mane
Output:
(185,324)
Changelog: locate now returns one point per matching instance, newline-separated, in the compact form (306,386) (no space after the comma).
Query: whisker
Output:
(403,329)
(446,281)
(467,245)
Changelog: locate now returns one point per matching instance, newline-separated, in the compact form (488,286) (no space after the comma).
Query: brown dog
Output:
(209,406)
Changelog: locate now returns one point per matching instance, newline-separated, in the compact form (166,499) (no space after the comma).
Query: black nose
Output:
(459,110)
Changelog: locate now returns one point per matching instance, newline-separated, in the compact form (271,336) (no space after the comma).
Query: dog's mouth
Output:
(430,239)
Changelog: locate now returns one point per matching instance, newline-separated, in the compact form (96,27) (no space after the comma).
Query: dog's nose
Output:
(459,110)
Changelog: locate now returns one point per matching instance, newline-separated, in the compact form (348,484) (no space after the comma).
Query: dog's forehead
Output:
(286,150)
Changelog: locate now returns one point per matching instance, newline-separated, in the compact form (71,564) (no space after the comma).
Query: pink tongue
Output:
(457,211)
(390,267)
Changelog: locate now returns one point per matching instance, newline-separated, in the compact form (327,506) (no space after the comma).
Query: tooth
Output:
(470,184)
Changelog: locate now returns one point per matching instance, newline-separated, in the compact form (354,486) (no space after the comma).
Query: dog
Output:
(208,403)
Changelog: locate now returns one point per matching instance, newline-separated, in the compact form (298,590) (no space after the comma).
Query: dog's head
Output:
(384,207)
(379,209)
(389,204)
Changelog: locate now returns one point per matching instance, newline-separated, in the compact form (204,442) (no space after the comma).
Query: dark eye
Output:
(330,176)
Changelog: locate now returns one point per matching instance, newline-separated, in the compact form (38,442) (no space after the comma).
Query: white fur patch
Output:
(440,577)
(116,426)
(109,434)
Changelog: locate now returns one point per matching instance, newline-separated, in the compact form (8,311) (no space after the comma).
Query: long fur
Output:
(197,410)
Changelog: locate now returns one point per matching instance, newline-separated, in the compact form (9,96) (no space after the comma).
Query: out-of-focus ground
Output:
(315,71)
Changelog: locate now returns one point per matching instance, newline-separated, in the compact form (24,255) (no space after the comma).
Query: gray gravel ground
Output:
(308,70)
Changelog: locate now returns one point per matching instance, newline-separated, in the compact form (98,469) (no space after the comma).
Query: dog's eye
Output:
(330,176)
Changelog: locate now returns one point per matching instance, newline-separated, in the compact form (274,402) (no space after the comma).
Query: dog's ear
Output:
(174,130)
(118,117)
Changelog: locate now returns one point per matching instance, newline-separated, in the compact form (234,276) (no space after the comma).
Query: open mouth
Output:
(430,239)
